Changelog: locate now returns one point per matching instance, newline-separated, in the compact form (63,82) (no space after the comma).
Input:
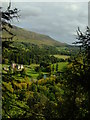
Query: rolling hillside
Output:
(23,35)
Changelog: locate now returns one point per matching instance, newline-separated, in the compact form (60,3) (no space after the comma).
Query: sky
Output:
(59,20)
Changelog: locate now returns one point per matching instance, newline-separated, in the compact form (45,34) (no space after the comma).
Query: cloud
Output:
(58,20)
(32,11)
(72,7)
(45,0)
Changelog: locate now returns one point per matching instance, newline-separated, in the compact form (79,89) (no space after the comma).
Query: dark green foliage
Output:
(33,54)
(40,76)
(23,72)
(53,67)
(57,67)
(84,42)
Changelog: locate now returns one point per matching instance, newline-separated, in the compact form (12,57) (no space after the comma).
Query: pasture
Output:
(62,56)
(61,66)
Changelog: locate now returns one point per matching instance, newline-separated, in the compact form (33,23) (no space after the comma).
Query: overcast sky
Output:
(58,20)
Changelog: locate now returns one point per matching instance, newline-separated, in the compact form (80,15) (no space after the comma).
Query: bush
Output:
(40,76)
(37,69)
(23,72)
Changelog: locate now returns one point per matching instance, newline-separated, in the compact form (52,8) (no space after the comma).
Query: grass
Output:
(30,72)
(61,65)
(5,65)
(31,66)
(62,56)
(18,78)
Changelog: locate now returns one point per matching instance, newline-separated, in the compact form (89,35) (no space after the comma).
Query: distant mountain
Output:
(23,35)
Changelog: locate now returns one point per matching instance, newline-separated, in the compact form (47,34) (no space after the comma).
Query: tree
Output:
(53,68)
(23,72)
(7,16)
(84,44)
(56,66)
(77,81)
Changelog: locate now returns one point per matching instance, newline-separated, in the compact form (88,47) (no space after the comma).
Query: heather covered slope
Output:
(23,35)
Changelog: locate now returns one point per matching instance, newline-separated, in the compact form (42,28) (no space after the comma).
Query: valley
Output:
(41,77)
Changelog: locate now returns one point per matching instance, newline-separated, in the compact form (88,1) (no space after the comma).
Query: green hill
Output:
(23,35)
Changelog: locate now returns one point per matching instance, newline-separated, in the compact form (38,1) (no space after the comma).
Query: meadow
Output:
(61,66)
(62,56)
(32,74)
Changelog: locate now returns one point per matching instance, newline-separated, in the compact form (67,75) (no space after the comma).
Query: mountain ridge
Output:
(23,35)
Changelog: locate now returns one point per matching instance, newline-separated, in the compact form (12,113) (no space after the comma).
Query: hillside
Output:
(23,35)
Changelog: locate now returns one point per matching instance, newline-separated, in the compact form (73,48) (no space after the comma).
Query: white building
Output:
(13,65)
(21,66)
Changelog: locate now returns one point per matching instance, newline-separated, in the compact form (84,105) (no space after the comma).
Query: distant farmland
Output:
(62,56)
(61,66)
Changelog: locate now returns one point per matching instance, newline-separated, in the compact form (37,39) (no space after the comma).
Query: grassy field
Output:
(5,65)
(62,56)
(61,65)
(30,71)
(32,74)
